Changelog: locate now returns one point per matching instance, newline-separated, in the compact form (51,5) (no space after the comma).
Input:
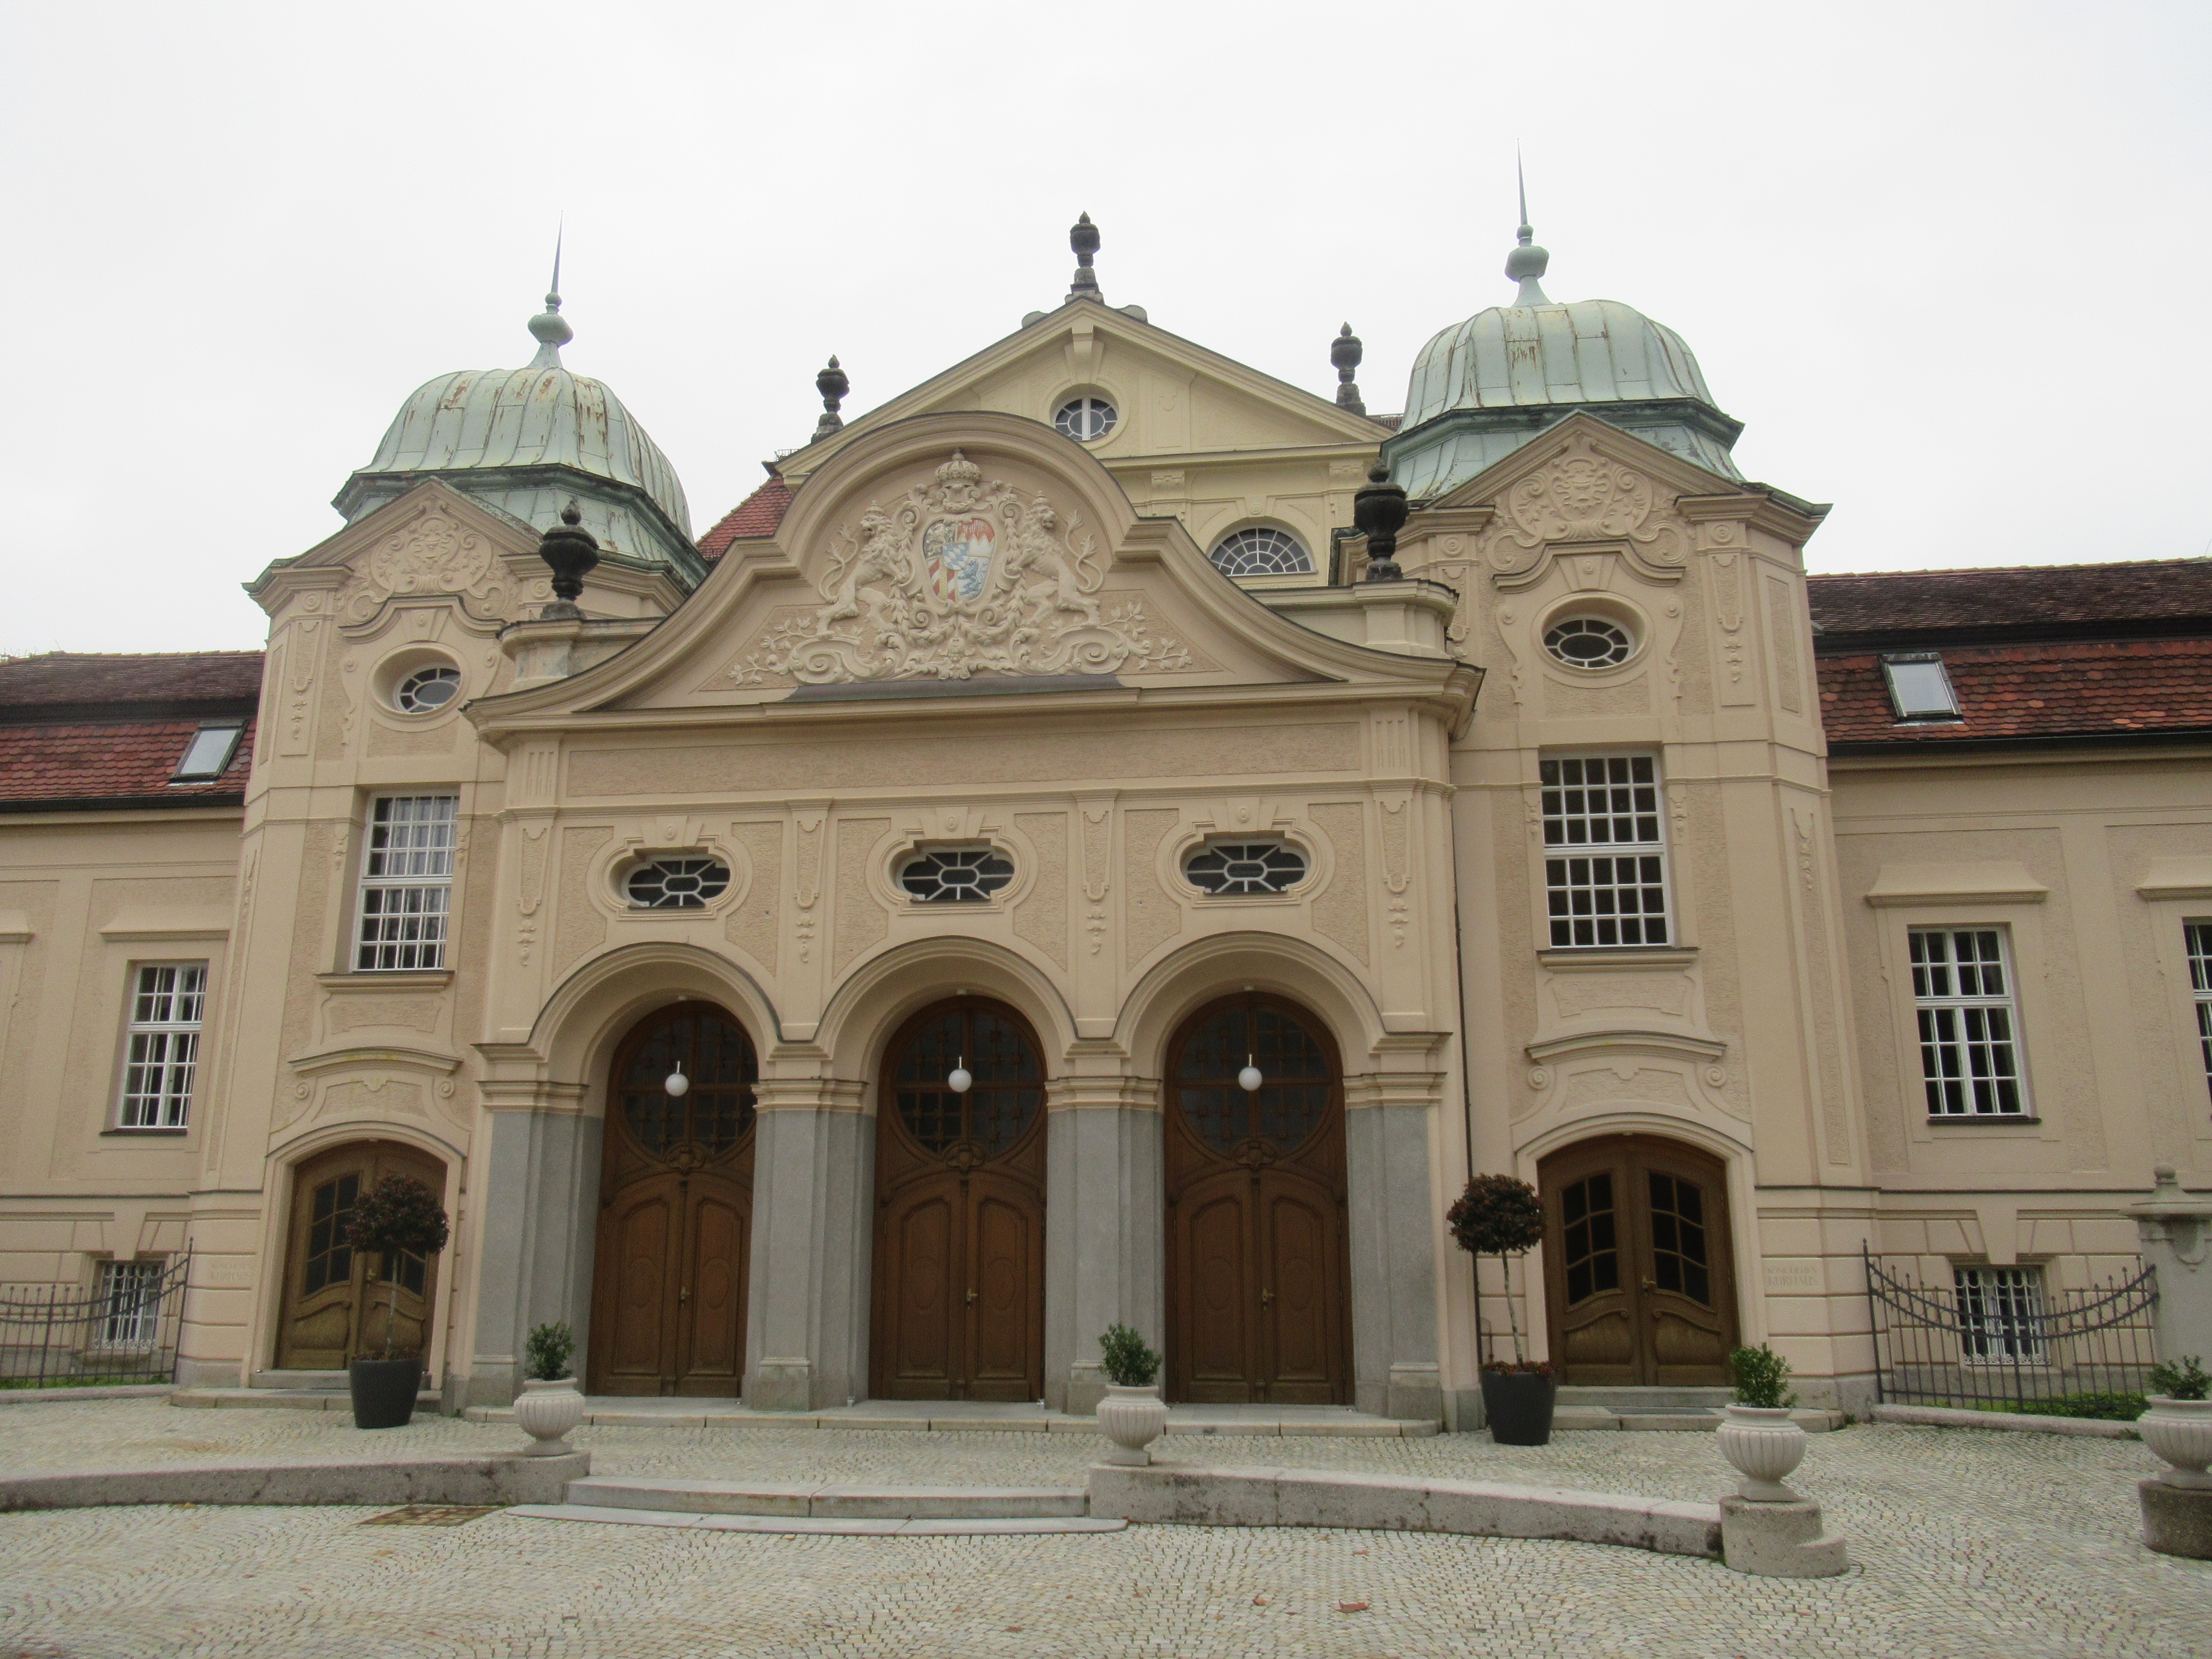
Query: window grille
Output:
(1920,687)
(1263,551)
(678,884)
(168,1006)
(1605,858)
(407,883)
(957,875)
(1589,642)
(209,755)
(1969,1049)
(130,1295)
(1085,419)
(428,689)
(2199,936)
(2000,1314)
(1232,869)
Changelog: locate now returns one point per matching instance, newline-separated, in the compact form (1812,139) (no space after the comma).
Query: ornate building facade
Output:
(1110,837)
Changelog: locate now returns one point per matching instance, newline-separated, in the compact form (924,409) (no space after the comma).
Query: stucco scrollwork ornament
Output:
(1581,497)
(960,577)
(432,553)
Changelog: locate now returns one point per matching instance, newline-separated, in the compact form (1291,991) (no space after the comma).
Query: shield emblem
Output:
(956,555)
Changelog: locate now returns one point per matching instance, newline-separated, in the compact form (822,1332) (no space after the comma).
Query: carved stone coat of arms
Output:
(956,577)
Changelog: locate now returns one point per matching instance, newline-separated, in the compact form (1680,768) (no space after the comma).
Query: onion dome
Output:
(526,443)
(1484,387)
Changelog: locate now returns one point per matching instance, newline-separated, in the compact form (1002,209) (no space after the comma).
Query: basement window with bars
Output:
(129,1305)
(407,883)
(2000,1314)
(1969,1040)
(169,1002)
(2199,936)
(1605,858)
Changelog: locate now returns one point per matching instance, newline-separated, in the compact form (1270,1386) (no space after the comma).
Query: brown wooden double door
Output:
(1257,1262)
(1640,1273)
(335,1298)
(959,1240)
(676,1209)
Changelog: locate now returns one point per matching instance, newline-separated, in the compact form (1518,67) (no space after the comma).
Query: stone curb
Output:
(1272,1431)
(105,1391)
(419,1480)
(1168,1494)
(839,1500)
(1951,1417)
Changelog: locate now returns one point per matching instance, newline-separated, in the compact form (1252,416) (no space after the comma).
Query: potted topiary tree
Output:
(1132,1415)
(550,1404)
(2177,1427)
(1756,1434)
(1500,1216)
(397,1215)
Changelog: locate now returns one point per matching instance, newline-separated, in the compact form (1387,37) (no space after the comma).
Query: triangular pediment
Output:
(431,542)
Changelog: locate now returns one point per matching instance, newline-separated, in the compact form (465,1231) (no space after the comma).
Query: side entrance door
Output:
(334,1312)
(676,1209)
(1257,1252)
(959,1249)
(1639,1269)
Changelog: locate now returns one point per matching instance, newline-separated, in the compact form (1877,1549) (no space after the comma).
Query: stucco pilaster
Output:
(1104,1227)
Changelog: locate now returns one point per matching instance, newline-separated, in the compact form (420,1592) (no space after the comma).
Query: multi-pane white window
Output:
(407,882)
(1969,1042)
(167,1003)
(130,1296)
(1605,859)
(2000,1314)
(2199,936)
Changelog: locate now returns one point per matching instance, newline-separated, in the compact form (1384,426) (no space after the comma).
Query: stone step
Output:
(607,1411)
(1682,1420)
(1641,1399)
(296,1400)
(852,1526)
(820,1501)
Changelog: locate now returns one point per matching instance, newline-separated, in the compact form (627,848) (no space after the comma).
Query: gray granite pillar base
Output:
(539,1187)
(1394,1301)
(1104,1239)
(1779,1540)
(2177,1519)
(806,1317)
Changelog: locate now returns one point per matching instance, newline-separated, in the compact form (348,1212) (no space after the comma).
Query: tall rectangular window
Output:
(407,882)
(1605,862)
(1962,996)
(2199,935)
(168,1005)
(2000,1313)
(129,1304)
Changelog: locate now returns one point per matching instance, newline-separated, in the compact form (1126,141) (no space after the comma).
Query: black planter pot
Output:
(384,1391)
(1519,1407)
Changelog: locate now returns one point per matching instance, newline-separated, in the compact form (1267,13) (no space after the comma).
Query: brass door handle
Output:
(1267,1297)
(683,1295)
(971,1299)
(1651,1284)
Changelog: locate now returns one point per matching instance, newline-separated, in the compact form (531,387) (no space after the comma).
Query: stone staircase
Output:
(846,1508)
(300,1391)
(1652,1410)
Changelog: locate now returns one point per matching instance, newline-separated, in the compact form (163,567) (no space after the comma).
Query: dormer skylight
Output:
(1920,687)
(209,755)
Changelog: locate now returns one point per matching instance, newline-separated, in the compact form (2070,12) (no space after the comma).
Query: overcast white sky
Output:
(1948,261)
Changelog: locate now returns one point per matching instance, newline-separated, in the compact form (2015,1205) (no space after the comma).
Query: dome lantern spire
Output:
(1527,263)
(549,328)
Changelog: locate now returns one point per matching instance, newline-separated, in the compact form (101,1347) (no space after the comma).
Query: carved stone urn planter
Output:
(1764,1446)
(2179,1434)
(1132,1417)
(547,1411)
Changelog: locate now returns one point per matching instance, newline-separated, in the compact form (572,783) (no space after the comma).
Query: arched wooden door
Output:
(1639,1269)
(959,1260)
(1257,1256)
(676,1209)
(333,1311)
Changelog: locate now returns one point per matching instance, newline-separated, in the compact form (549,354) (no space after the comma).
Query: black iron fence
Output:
(124,1330)
(1997,1338)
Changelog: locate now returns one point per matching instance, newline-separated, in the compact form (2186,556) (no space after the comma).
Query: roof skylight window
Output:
(1919,687)
(209,755)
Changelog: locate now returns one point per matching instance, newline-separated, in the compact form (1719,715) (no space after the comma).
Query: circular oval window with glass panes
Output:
(1086,419)
(426,688)
(1589,642)
(677,884)
(1234,869)
(956,875)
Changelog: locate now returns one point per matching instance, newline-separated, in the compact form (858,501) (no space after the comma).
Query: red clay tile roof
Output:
(758,514)
(2095,687)
(2043,601)
(81,730)
(84,679)
(50,767)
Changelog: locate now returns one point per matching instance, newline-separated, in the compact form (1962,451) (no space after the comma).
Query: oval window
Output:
(677,884)
(426,688)
(1232,868)
(1589,642)
(957,875)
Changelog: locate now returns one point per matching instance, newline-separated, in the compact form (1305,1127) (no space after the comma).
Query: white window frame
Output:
(1564,815)
(1999,1312)
(1959,1032)
(130,1319)
(2196,943)
(219,740)
(404,911)
(164,1022)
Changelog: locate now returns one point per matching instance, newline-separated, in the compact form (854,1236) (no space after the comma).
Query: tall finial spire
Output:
(549,328)
(1083,237)
(1345,351)
(1527,262)
(833,386)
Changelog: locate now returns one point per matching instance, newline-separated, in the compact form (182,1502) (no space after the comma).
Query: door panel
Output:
(1298,1318)
(676,1187)
(335,1297)
(1638,1265)
(959,1265)
(1221,1301)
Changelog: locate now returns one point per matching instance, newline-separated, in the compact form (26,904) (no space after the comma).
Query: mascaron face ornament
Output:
(957,578)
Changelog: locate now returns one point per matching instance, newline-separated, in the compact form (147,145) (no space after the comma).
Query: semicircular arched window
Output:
(715,1111)
(1298,1080)
(1261,551)
(1000,1054)
(677,884)
(956,875)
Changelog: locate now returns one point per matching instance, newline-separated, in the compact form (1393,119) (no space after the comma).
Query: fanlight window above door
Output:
(677,884)
(1004,1098)
(715,1113)
(956,875)
(1291,1100)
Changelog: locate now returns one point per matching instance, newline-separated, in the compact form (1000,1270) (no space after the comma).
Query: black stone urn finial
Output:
(1345,351)
(833,386)
(572,550)
(1083,237)
(1379,513)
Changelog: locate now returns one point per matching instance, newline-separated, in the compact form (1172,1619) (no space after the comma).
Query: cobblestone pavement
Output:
(1969,1543)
